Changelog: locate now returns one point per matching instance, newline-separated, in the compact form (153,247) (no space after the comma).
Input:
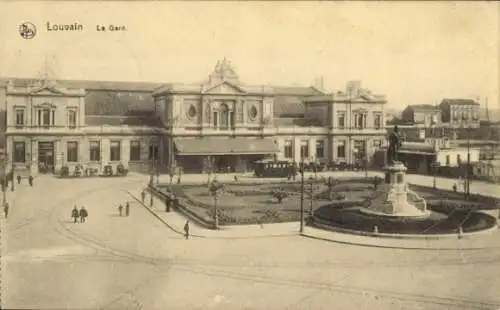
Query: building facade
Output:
(460,112)
(47,128)
(425,114)
(221,124)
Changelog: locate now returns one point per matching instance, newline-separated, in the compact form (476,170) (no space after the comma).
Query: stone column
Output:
(34,157)
(58,155)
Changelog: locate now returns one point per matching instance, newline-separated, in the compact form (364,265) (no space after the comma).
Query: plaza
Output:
(144,262)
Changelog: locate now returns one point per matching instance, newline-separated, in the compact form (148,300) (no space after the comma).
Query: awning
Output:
(213,146)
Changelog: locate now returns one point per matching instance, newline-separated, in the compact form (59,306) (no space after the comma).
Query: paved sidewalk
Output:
(176,221)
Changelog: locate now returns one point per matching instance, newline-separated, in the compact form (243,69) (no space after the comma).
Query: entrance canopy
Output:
(229,146)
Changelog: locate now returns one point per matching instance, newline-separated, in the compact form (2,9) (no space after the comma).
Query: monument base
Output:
(393,199)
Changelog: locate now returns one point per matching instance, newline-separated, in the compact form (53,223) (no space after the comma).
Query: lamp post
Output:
(434,168)
(311,195)
(301,195)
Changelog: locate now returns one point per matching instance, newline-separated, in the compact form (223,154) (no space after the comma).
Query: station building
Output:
(221,124)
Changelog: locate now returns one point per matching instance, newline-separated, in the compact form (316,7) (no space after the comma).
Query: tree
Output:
(280,195)
(330,183)
(171,173)
(215,189)
(208,166)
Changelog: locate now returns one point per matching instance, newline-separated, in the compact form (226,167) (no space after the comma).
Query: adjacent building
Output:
(221,124)
(460,112)
(422,114)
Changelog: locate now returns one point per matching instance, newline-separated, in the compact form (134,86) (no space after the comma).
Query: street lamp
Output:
(434,168)
(301,195)
(311,180)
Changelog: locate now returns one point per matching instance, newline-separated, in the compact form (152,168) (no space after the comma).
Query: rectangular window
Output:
(135,150)
(19,117)
(216,119)
(72,118)
(378,121)
(304,149)
(39,119)
(53,118)
(359,120)
(447,160)
(288,149)
(459,160)
(46,117)
(114,151)
(320,149)
(95,150)
(19,152)
(341,149)
(153,152)
(72,151)
(231,119)
(341,120)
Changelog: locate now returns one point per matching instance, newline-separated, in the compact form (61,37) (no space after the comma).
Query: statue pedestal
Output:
(393,198)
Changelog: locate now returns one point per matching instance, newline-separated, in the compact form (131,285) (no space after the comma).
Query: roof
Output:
(135,121)
(109,102)
(288,100)
(296,91)
(416,147)
(213,146)
(288,105)
(423,107)
(89,85)
(459,101)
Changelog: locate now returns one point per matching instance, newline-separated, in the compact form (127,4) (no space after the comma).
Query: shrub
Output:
(64,171)
(120,169)
(108,170)
(280,195)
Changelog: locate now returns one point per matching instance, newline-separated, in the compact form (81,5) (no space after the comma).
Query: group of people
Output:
(30,180)
(127,209)
(81,214)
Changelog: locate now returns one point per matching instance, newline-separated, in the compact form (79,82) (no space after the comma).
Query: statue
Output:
(394,146)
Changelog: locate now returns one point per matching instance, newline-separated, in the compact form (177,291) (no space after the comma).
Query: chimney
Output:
(353,88)
(319,83)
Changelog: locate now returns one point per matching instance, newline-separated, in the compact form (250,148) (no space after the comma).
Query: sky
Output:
(413,52)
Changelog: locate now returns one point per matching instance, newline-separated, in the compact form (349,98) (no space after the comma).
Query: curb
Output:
(160,218)
(310,236)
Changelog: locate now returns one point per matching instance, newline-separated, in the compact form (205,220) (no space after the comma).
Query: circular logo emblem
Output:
(27,30)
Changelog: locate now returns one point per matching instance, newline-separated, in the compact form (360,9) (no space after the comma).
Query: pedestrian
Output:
(143,196)
(175,202)
(127,209)
(168,203)
(75,214)
(18,179)
(6,209)
(186,229)
(30,180)
(83,214)
(455,187)
(120,209)
(179,180)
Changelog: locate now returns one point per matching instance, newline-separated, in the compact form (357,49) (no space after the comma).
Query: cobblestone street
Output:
(137,262)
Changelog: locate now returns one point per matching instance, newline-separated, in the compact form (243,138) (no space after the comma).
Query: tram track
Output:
(207,268)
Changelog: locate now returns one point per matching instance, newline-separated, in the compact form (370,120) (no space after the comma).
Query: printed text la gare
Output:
(111,27)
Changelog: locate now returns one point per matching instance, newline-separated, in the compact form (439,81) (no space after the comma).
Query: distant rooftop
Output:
(459,101)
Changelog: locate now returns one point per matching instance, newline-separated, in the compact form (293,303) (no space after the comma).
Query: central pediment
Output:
(225,88)
(47,90)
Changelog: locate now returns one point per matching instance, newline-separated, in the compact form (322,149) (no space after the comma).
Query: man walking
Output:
(120,209)
(143,196)
(18,179)
(30,180)
(127,209)
(75,214)
(83,214)
(6,209)
(186,229)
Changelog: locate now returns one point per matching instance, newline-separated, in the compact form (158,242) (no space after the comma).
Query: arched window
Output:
(224,116)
